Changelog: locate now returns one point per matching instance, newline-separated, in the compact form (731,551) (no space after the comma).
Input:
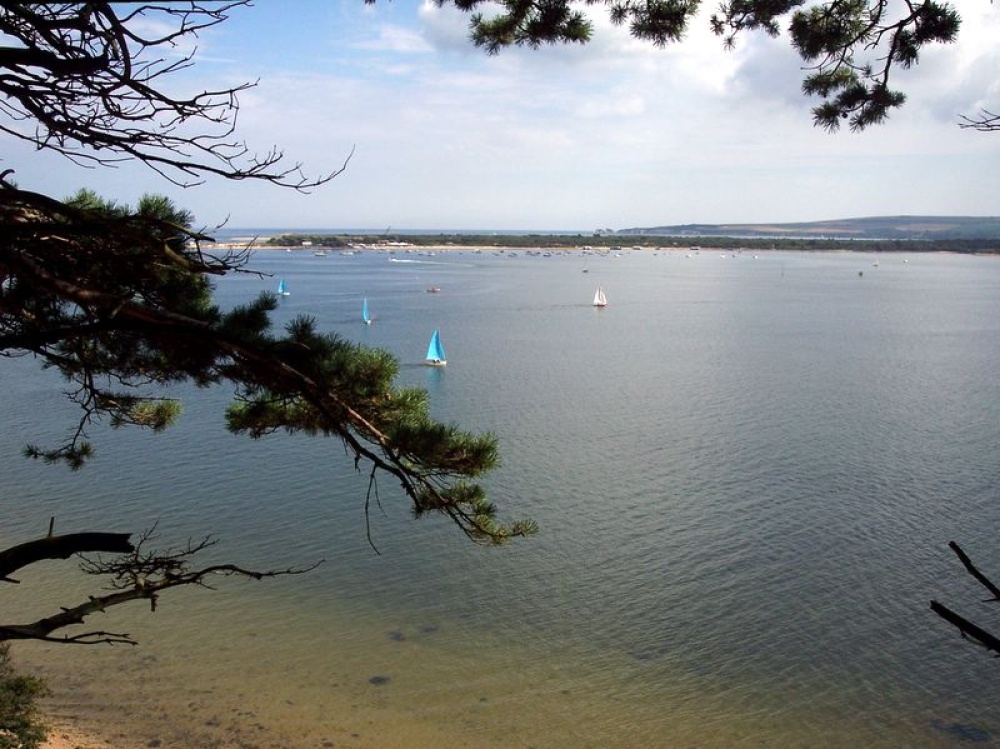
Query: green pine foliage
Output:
(119,301)
(849,47)
(20,720)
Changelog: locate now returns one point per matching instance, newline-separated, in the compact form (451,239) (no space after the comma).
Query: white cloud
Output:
(445,28)
(396,39)
(615,133)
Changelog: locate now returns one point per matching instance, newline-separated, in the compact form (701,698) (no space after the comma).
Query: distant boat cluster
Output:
(435,350)
(435,356)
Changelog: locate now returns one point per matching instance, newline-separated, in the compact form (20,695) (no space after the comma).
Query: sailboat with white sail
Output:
(600,300)
(435,351)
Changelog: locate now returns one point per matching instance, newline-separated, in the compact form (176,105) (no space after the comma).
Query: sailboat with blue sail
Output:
(283,288)
(435,351)
(364,312)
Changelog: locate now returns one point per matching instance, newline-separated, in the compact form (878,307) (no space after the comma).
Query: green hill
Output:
(927,228)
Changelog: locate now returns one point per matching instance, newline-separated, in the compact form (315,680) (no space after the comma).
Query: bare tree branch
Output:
(137,574)
(967,629)
(986,122)
(81,80)
(974,571)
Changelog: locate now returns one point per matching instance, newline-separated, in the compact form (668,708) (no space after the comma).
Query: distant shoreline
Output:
(320,242)
(733,246)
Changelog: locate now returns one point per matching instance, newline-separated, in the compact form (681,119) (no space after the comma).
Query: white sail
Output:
(599,299)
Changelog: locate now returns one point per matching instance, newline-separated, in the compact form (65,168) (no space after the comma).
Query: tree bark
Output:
(61,547)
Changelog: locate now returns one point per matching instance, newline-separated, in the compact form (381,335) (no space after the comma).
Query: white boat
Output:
(435,351)
(283,288)
(600,300)
(364,312)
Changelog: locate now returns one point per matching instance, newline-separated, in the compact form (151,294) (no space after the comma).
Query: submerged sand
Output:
(68,737)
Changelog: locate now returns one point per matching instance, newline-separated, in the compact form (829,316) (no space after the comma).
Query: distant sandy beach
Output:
(257,245)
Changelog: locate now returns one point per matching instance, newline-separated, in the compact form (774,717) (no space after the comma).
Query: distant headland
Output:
(910,228)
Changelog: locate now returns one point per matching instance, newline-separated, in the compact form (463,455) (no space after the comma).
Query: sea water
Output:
(746,471)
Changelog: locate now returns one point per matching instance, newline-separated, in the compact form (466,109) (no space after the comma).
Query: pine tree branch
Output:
(113,299)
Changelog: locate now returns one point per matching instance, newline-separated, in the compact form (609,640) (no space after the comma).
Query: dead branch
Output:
(87,80)
(985,121)
(139,573)
(972,570)
(966,628)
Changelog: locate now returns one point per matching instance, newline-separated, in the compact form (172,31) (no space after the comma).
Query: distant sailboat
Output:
(283,288)
(435,352)
(599,299)
(364,312)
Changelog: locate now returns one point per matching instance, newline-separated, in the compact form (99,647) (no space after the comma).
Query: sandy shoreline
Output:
(257,245)
(671,248)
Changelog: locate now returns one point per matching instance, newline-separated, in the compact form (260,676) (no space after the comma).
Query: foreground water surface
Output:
(746,470)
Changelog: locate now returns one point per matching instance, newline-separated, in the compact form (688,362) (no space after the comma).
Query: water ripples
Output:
(745,474)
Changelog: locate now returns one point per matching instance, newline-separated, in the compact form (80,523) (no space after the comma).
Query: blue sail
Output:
(435,351)
(282,288)
(364,312)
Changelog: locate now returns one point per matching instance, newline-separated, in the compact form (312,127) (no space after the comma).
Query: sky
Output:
(614,134)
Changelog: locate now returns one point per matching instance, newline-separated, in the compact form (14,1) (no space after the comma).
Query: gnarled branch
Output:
(138,573)
(985,121)
(84,81)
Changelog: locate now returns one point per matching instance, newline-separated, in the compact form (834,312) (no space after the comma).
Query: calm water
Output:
(746,471)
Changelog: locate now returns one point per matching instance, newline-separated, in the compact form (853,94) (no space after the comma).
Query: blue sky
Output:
(613,134)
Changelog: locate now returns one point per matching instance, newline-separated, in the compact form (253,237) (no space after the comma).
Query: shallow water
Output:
(746,471)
